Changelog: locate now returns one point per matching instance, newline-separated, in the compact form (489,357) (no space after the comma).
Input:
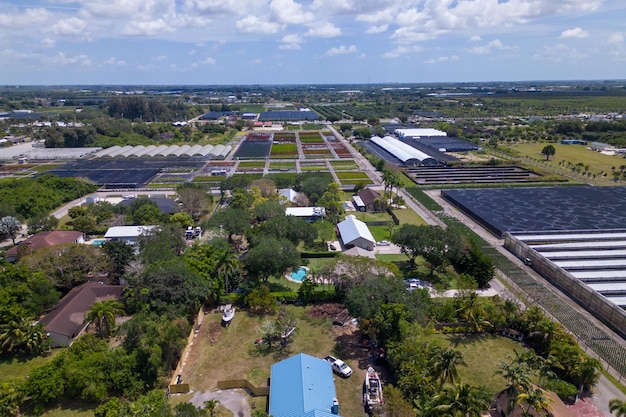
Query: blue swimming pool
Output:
(300,274)
(98,242)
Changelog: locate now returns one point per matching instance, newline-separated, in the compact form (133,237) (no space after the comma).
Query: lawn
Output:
(344,165)
(20,367)
(355,175)
(408,216)
(233,355)
(283,165)
(482,354)
(574,154)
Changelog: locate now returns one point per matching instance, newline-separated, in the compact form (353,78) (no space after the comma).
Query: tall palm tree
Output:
(444,365)
(517,376)
(618,407)
(102,314)
(535,399)
(227,266)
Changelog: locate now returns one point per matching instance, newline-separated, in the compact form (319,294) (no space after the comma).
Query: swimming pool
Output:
(98,242)
(300,274)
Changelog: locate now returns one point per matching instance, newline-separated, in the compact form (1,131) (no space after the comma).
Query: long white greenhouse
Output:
(405,153)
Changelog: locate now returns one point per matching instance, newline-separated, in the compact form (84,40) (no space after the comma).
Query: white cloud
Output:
(148,28)
(327,30)
(475,38)
(72,27)
(377,29)
(559,53)
(494,45)
(219,7)
(574,33)
(252,24)
(616,38)
(48,43)
(159,58)
(291,42)
(291,12)
(403,50)
(63,59)
(341,50)
(114,62)
(209,61)
(30,17)
(442,59)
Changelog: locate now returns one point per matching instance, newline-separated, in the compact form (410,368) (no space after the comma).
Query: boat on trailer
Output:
(373,392)
(228,314)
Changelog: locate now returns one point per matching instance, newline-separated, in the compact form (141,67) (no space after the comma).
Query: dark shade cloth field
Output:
(543,208)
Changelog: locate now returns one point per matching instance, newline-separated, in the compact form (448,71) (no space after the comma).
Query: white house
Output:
(310,214)
(354,232)
(128,234)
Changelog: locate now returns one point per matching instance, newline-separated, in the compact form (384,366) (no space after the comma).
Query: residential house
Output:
(368,200)
(67,320)
(44,240)
(309,214)
(302,386)
(128,234)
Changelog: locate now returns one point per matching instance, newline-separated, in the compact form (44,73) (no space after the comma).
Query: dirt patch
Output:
(235,400)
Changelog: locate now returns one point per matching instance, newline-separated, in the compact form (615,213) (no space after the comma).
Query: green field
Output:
(482,354)
(353,175)
(344,165)
(312,126)
(596,162)
(285,149)
(283,165)
(252,108)
(252,164)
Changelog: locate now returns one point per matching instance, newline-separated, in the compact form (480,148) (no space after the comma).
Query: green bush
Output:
(565,390)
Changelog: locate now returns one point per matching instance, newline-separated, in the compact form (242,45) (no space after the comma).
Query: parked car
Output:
(383,243)
(339,366)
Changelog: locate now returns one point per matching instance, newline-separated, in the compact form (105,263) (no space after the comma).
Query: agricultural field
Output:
(284,151)
(352,175)
(282,165)
(344,165)
(572,159)
(312,126)
(313,166)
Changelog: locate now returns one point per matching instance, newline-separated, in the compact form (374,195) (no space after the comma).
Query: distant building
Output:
(288,195)
(67,320)
(419,133)
(303,386)
(44,240)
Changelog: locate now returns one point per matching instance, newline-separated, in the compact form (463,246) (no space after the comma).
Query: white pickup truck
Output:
(339,366)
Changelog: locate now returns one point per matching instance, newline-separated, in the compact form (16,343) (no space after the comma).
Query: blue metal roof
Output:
(302,386)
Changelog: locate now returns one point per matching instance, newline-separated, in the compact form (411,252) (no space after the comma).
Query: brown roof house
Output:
(368,200)
(44,240)
(67,320)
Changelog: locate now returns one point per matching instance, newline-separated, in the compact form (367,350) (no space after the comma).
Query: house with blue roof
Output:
(303,386)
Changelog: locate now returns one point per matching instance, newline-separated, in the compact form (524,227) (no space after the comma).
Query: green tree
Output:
(86,224)
(183,220)
(332,202)
(263,263)
(9,226)
(102,314)
(147,214)
(11,397)
(618,407)
(211,406)
(548,151)
(261,300)
(120,253)
(161,243)
(535,399)
(195,201)
(436,245)
(461,400)
(444,364)
(306,291)
(232,221)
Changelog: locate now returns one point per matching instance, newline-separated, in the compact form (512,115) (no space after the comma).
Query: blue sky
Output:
(309,41)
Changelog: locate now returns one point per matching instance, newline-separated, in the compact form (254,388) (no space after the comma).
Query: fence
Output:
(245,384)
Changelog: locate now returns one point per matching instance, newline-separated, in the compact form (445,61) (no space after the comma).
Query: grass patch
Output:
(408,216)
(312,126)
(344,165)
(482,354)
(423,198)
(368,216)
(233,355)
(18,367)
(597,163)
(283,165)
(252,164)
(251,108)
(352,175)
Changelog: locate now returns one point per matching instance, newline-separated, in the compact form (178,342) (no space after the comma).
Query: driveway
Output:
(236,400)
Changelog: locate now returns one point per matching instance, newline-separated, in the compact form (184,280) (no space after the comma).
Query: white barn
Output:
(355,233)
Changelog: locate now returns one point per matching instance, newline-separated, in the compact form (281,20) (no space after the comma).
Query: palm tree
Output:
(461,400)
(444,365)
(14,331)
(472,312)
(10,398)
(534,399)
(211,405)
(102,314)
(228,265)
(517,375)
(618,407)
